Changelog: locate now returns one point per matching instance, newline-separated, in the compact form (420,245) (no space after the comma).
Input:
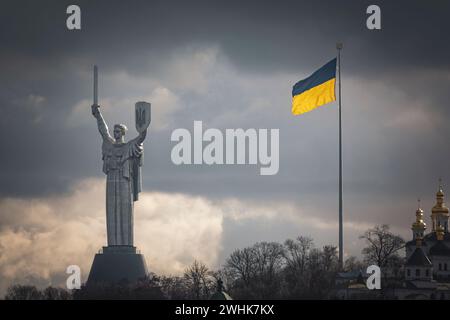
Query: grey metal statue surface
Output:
(122,163)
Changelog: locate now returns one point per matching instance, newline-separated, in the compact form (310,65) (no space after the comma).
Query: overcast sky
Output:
(231,64)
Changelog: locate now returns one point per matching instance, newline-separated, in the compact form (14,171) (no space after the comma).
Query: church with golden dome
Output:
(428,255)
(425,273)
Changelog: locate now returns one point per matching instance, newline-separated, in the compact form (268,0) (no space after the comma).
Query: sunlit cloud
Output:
(40,237)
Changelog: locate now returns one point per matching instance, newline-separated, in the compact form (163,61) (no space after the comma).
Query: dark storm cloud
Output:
(41,58)
(256,34)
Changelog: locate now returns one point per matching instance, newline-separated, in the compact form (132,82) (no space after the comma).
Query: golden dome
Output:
(440,207)
(419,223)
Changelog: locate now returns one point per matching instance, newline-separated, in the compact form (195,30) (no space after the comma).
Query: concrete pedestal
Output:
(117,264)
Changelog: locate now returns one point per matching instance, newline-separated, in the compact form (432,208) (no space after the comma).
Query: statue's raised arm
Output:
(102,127)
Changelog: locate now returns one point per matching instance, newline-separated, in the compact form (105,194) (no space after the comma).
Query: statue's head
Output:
(119,131)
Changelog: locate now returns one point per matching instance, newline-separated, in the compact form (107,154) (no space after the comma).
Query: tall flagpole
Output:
(339,47)
(95,85)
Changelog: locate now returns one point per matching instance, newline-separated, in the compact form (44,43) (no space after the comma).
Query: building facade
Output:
(427,267)
(427,264)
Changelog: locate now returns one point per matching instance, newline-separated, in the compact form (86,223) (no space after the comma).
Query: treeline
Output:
(27,292)
(295,269)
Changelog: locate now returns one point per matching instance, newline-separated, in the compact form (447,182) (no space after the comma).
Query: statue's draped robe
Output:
(121,164)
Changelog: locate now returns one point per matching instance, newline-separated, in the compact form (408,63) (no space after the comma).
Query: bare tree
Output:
(255,271)
(199,280)
(320,274)
(296,253)
(329,259)
(174,287)
(241,265)
(352,263)
(52,293)
(23,292)
(382,245)
(296,273)
(268,259)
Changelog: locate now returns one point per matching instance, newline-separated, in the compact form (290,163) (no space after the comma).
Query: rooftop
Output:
(439,249)
(418,258)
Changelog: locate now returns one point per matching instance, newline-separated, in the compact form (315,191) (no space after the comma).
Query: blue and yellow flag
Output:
(316,90)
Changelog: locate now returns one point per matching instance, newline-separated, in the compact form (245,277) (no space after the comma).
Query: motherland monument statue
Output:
(122,162)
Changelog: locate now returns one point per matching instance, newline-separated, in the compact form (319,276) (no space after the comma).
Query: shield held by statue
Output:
(143,115)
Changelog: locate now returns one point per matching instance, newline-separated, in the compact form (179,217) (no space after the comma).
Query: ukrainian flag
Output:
(316,90)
